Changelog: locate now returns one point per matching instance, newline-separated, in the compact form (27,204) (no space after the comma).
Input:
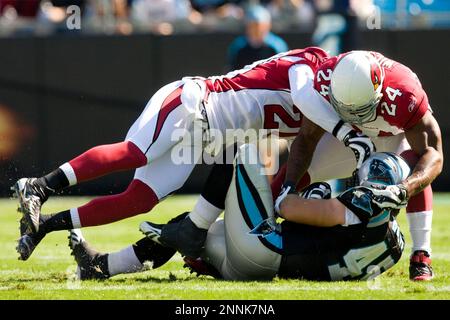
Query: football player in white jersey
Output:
(383,99)
(260,96)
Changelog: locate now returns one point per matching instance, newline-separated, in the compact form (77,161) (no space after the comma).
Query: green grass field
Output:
(49,273)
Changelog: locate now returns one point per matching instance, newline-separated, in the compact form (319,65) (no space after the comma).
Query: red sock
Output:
(105,159)
(138,198)
(278,181)
(422,201)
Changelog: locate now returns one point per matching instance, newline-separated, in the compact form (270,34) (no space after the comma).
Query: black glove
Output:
(360,144)
(317,190)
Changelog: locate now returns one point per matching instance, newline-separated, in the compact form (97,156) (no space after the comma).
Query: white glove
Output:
(360,144)
(317,190)
(288,188)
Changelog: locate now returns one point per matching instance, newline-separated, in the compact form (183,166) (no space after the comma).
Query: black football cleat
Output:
(27,243)
(91,264)
(182,235)
(201,268)
(31,198)
(420,266)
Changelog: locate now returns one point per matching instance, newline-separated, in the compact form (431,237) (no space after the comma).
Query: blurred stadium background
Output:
(69,82)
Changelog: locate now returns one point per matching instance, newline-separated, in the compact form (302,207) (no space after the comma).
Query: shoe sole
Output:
(423,278)
(17,189)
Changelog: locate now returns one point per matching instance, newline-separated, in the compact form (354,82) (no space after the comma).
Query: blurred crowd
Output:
(165,17)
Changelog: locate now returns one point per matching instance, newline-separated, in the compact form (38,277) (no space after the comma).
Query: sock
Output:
(212,200)
(124,261)
(138,198)
(204,213)
(217,185)
(56,180)
(69,173)
(419,213)
(142,249)
(102,160)
(56,222)
(51,183)
(420,229)
(147,250)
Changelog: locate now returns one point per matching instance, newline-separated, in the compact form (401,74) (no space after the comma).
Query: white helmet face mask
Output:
(383,169)
(355,88)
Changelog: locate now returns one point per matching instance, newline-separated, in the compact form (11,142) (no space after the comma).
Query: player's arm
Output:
(315,212)
(318,117)
(302,150)
(314,207)
(426,141)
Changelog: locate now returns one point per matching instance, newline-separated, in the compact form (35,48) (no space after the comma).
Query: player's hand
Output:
(317,190)
(391,197)
(360,144)
(287,188)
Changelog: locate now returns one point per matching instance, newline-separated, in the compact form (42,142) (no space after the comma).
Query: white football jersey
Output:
(259,95)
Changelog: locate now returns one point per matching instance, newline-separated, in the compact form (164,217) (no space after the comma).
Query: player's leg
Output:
(126,260)
(93,264)
(189,235)
(231,251)
(248,204)
(213,256)
(148,132)
(419,211)
(149,186)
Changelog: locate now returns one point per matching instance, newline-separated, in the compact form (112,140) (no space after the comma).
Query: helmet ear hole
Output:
(382,169)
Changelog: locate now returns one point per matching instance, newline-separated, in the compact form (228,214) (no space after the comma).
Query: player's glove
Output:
(317,190)
(287,188)
(360,144)
(368,202)
(391,197)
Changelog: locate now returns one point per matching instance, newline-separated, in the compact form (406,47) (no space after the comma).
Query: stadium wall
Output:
(61,95)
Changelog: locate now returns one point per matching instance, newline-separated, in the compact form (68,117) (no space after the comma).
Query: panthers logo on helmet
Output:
(380,172)
(383,168)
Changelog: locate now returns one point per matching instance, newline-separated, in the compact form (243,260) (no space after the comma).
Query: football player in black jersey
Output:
(353,236)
